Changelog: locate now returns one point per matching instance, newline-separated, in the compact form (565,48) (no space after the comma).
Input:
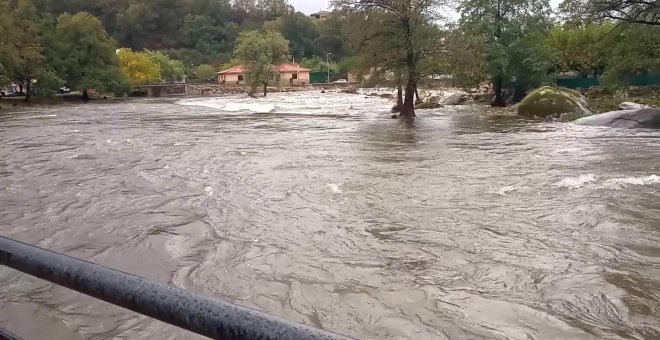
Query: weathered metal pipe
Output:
(211,318)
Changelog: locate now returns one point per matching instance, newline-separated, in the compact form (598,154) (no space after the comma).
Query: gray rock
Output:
(457,98)
(632,106)
(640,118)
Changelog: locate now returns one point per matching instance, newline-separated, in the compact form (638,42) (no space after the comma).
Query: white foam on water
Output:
(306,102)
(592,180)
(335,188)
(249,107)
(214,104)
(503,191)
(209,191)
(576,182)
(618,183)
(40,117)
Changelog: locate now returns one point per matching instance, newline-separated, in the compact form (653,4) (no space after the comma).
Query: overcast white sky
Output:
(311,6)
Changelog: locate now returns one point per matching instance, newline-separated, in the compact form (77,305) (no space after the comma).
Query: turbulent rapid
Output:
(321,209)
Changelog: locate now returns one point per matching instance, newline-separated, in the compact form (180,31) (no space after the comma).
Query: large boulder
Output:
(550,101)
(632,106)
(638,118)
(455,98)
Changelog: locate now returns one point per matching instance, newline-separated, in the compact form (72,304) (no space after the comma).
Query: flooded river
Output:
(323,210)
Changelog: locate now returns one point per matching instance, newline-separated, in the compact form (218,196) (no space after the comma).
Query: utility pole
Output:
(328,62)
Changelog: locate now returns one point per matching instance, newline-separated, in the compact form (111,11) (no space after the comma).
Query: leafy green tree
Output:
(301,32)
(82,53)
(274,8)
(507,25)
(8,54)
(465,59)
(260,52)
(333,35)
(23,57)
(645,12)
(151,24)
(581,49)
(637,52)
(138,66)
(319,64)
(410,23)
(203,34)
(170,70)
(204,72)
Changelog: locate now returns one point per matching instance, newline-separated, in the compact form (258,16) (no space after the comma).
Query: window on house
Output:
(295,76)
(240,77)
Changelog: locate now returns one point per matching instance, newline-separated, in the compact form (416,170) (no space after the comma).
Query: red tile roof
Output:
(286,68)
(234,70)
(291,68)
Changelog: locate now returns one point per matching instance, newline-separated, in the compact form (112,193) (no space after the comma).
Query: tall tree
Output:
(204,72)
(170,70)
(582,49)
(636,53)
(25,60)
(82,53)
(465,59)
(645,12)
(299,30)
(504,24)
(152,24)
(260,52)
(333,34)
(274,8)
(412,18)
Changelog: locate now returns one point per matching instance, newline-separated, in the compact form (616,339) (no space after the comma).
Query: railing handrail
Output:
(193,312)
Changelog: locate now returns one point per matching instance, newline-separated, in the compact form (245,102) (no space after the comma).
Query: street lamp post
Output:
(328,61)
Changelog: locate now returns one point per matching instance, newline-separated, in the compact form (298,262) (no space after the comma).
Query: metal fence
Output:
(202,315)
(579,82)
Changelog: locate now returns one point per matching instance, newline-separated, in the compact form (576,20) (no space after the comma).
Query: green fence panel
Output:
(579,82)
(318,77)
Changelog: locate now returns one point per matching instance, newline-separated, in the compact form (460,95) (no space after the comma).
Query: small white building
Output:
(289,74)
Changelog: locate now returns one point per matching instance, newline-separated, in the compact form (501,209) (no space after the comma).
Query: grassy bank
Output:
(604,101)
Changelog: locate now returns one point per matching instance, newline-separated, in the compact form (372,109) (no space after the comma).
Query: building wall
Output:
(229,79)
(285,78)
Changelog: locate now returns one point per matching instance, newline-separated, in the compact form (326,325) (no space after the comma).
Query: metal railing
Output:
(198,314)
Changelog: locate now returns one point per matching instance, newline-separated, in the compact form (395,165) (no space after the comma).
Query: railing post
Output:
(211,318)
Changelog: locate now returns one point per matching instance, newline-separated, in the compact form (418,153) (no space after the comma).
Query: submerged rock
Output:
(456,98)
(632,106)
(639,118)
(552,101)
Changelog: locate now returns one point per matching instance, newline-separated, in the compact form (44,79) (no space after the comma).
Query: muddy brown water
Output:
(322,210)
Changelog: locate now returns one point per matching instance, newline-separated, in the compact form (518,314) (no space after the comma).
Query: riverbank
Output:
(604,101)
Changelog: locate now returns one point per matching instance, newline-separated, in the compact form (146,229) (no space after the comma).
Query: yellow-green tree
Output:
(138,66)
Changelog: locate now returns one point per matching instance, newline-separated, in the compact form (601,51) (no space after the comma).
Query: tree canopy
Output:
(138,66)
(260,52)
(83,54)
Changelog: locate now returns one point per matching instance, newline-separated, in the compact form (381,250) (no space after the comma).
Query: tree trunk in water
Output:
(499,100)
(265,89)
(409,100)
(27,91)
(85,96)
(399,95)
(411,64)
(417,93)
